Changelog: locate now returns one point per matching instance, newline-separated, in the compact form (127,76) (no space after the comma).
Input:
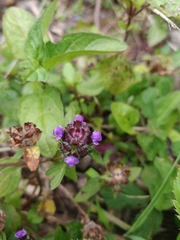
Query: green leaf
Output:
(150,225)
(16,24)
(81,44)
(9,180)
(71,173)
(91,87)
(33,216)
(133,237)
(165,106)
(39,74)
(157,32)
(150,144)
(116,73)
(2,236)
(13,219)
(125,116)
(96,156)
(153,179)
(134,173)
(47,16)
(138,3)
(92,186)
(56,180)
(131,197)
(169,8)
(46,111)
(60,234)
(35,49)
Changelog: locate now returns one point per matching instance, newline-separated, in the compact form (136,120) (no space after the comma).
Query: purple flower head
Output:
(96,137)
(79,118)
(20,233)
(71,161)
(58,132)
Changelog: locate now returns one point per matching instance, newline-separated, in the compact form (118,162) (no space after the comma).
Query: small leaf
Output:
(3,236)
(134,173)
(81,44)
(31,156)
(125,116)
(9,180)
(16,24)
(96,156)
(71,173)
(56,180)
(13,219)
(92,186)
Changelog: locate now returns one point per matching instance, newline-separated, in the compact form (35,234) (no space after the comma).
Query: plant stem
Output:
(151,205)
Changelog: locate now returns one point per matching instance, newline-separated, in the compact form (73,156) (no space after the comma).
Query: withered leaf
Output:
(31,156)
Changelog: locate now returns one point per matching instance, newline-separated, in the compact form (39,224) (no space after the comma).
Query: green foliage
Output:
(176,190)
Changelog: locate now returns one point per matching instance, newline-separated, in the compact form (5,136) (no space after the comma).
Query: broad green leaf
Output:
(69,74)
(46,111)
(75,230)
(92,87)
(116,74)
(92,173)
(47,16)
(13,219)
(56,180)
(92,186)
(131,197)
(33,216)
(96,156)
(32,88)
(53,170)
(35,48)
(125,116)
(16,25)
(81,44)
(165,106)
(70,113)
(168,7)
(157,32)
(9,180)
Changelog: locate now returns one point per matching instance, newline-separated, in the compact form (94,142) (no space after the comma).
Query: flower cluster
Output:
(75,140)
(116,175)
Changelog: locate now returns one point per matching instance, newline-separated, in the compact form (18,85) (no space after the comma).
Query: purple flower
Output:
(20,233)
(79,118)
(96,137)
(71,161)
(58,132)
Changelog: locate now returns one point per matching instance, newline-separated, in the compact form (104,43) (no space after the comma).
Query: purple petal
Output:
(20,233)
(79,118)
(96,137)
(71,161)
(58,132)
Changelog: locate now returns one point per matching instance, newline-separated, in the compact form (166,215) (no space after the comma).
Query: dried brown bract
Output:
(27,138)
(93,231)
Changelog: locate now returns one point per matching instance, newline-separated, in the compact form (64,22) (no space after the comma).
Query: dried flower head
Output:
(20,138)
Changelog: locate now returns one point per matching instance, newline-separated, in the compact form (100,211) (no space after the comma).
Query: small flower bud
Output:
(79,118)
(96,137)
(71,161)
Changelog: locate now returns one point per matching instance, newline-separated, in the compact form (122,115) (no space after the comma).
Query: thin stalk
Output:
(151,205)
